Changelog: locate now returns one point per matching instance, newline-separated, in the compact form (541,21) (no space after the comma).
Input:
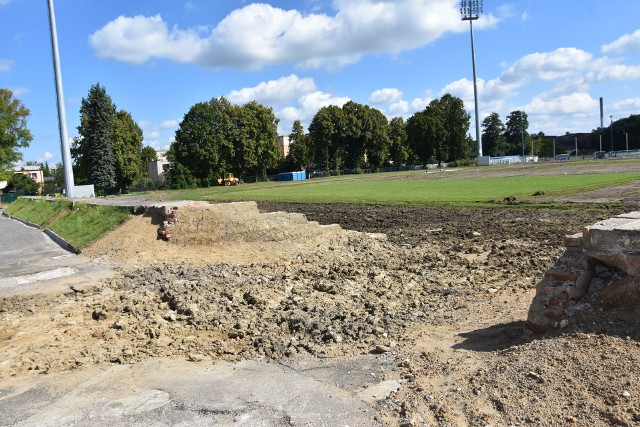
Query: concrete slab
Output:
(169,392)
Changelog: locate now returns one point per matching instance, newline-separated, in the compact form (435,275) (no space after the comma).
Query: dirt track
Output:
(445,296)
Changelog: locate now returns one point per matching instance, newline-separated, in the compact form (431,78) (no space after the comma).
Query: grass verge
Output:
(37,211)
(86,223)
(78,224)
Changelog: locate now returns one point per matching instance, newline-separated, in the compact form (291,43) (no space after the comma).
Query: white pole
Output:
(601,140)
(626,134)
(62,120)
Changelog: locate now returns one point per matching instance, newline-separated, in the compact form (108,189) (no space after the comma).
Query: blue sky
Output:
(553,59)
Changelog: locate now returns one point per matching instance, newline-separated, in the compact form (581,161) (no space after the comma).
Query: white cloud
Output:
(141,38)
(618,72)
(385,96)
(274,92)
(158,136)
(17,91)
(259,34)
(559,63)
(305,108)
(575,103)
(399,108)
(169,124)
(6,65)
(626,43)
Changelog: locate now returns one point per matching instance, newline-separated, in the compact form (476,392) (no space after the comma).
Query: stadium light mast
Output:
(62,119)
(470,11)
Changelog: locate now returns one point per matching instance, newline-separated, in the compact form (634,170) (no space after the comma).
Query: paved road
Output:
(30,261)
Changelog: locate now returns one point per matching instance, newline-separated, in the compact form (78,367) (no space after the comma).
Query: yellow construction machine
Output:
(228,179)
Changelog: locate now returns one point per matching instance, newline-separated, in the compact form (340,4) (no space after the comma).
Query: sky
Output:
(552,59)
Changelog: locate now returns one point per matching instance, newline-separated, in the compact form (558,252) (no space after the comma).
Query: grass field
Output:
(407,189)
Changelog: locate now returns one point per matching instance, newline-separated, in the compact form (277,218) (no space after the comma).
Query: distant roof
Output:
(26,168)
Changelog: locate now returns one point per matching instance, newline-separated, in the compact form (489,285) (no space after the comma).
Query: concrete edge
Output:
(25,222)
(51,234)
(61,242)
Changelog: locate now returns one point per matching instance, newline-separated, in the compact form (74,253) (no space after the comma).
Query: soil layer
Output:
(445,297)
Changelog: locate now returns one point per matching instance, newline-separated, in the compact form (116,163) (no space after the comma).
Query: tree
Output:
(127,145)
(450,110)
(14,133)
(543,146)
(22,183)
(204,141)
(215,138)
(257,147)
(515,131)
(399,150)
(376,137)
(326,133)
(494,142)
(426,135)
(299,154)
(147,154)
(93,150)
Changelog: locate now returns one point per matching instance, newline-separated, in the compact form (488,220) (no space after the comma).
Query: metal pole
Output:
(611,128)
(62,120)
(532,148)
(554,148)
(522,133)
(475,90)
(600,139)
(576,146)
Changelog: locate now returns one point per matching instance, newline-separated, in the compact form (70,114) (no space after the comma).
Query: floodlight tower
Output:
(62,119)
(470,11)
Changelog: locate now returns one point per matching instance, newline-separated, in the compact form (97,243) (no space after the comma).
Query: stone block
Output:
(574,240)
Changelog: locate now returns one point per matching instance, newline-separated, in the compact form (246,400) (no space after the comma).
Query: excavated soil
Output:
(445,296)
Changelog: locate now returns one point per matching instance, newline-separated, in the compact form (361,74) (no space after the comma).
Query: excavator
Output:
(228,179)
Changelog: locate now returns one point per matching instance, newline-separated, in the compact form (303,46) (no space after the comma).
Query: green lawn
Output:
(36,211)
(86,223)
(78,224)
(408,191)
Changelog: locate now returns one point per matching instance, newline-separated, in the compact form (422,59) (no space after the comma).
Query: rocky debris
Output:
(445,309)
(170,219)
(599,270)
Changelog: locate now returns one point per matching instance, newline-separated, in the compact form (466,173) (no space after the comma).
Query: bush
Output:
(21,183)
(461,163)
(179,177)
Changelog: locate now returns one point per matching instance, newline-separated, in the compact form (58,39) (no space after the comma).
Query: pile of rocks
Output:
(599,270)
(170,219)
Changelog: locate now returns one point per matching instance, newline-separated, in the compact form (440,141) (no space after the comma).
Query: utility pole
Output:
(470,11)
(62,119)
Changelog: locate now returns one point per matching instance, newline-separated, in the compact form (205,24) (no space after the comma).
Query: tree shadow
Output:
(495,337)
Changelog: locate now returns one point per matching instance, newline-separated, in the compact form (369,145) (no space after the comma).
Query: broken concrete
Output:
(600,267)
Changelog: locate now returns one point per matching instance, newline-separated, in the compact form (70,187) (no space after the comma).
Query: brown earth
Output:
(445,296)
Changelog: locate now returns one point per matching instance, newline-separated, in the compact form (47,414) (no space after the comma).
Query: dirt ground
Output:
(445,295)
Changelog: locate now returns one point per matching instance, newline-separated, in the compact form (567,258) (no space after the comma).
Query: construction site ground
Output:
(424,323)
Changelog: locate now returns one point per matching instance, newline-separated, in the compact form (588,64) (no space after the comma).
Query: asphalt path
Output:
(31,262)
